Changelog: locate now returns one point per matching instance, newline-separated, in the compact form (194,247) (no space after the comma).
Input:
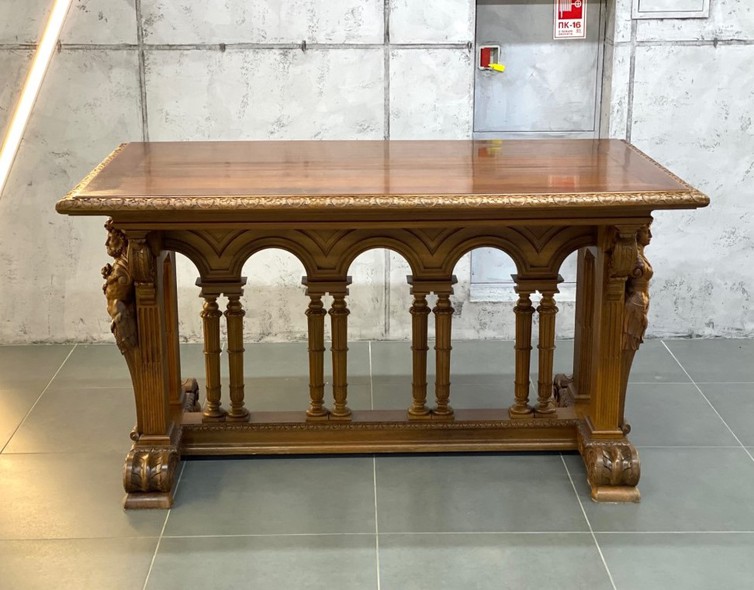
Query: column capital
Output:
(439,286)
(324,286)
(543,284)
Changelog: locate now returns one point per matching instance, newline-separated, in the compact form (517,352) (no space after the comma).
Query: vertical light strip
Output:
(30,90)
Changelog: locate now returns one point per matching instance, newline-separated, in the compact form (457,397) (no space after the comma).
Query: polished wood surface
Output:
(326,203)
(378,168)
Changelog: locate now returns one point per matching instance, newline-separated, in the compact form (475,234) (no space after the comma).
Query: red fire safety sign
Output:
(570,19)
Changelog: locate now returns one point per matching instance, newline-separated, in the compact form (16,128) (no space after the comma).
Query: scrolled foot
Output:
(149,477)
(190,389)
(612,469)
(561,390)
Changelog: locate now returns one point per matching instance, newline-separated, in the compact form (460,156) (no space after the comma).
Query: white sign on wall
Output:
(670,9)
(570,19)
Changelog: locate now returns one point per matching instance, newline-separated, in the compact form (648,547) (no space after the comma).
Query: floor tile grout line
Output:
(376,522)
(589,524)
(162,532)
(687,446)
(255,535)
(39,397)
(725,382)
(374,475)
(383,534)
(714,409)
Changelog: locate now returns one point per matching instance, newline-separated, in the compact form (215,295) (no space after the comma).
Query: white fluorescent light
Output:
(30,90)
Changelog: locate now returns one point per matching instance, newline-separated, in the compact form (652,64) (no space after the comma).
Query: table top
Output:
(321,175)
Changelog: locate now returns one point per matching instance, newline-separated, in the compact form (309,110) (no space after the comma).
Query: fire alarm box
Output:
(488,55)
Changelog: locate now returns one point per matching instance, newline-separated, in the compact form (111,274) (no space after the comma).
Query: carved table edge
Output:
(73,203)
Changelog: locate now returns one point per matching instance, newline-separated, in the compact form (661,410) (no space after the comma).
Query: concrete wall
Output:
(683,90)
(233,69)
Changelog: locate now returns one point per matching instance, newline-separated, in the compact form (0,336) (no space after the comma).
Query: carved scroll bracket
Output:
(142,249)
(149,476)
(612,468)
(623,250)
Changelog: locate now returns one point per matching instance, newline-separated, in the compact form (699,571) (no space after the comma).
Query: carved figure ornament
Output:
(119,289)
(635,318)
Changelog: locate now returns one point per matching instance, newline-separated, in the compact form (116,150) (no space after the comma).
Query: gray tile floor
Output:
(389,522)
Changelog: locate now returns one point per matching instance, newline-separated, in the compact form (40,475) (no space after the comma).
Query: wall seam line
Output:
(142,72)
(631,76)
(221,47)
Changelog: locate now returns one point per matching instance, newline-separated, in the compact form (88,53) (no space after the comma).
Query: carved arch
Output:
(572,246)
(298,250)
(359,247)
(190,251)
(484,241)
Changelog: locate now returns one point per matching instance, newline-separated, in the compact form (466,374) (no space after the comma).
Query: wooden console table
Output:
(327,202)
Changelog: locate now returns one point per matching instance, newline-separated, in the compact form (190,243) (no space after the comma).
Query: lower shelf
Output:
(379,431)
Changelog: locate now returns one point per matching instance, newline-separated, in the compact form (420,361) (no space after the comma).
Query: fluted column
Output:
(524,312)
(234,315)
(443,311)
(339,328)
(211,315)
(583,345)
(547,311)
(315,315)
(419,348)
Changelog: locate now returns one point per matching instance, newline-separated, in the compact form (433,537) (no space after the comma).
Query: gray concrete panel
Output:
(431,94)
(263,21)
(49,263)
(439,21)
(261,94)
(692,112)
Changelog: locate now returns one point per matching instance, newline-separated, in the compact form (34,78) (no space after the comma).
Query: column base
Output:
(240,416)
(515,413)
(341,416)
(216,416)
(321,415)
(447,414)
(423,415)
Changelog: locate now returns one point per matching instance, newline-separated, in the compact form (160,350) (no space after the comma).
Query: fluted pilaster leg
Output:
(211,321)
(524,312)
(547,311)
(419,348)
(443,311)
(315,315)
(339,318)
(234,315)
(577,388)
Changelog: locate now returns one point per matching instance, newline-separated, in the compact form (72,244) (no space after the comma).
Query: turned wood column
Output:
(419,348)
(547,311)
(339,329)
(211,315)
(443,311)
(234,315)
(315,316)
(524,312)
